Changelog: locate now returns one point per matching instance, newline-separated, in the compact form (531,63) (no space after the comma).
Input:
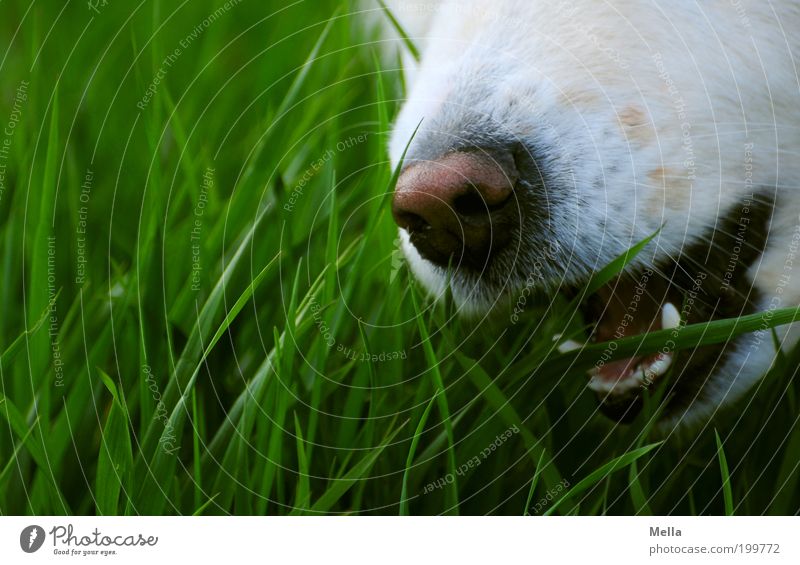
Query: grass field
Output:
(204,309)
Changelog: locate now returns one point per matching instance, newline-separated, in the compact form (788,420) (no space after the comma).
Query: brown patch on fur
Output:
(636,125)
(659,176)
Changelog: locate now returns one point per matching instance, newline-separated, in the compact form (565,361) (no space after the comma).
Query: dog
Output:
(539,140)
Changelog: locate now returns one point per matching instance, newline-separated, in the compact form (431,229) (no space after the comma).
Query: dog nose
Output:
(457,206)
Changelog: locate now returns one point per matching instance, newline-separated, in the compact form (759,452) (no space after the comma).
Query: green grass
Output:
(302,370)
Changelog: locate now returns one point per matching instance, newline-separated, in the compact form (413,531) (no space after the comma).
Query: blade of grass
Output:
(400,31)
(534,482)
(411,451)
(115,460)
(11,352)
(607,273)
(727,494)
(690,336)
(42,266)
(637,492)
(303,495)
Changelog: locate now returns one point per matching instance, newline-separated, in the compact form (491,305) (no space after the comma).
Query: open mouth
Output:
(708,281)
(630,306)
(650,301)
(625,308)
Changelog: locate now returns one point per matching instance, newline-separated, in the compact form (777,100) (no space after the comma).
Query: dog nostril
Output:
(470,204)
(473,203)
(410,221)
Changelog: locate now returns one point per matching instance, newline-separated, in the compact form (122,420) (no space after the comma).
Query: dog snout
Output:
(457,207)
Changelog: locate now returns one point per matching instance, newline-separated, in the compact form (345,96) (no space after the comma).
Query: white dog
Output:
(555,135)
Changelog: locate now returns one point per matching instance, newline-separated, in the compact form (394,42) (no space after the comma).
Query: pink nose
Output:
(457,206)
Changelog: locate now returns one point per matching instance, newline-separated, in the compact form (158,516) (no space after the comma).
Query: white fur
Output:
(641,112)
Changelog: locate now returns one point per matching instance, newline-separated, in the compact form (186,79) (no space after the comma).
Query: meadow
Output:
(205,309)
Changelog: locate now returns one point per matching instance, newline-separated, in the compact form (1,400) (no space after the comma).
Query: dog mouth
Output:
(706,281)
(630,305)
(623,309)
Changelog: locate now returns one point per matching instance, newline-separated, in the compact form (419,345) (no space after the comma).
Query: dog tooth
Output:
(569,345)
(600,385)
(640,374)
(659,366)
(670,317)
(620,386)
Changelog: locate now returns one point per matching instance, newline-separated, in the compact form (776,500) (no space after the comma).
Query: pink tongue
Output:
(613,371)
(624,317)
(616,370)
